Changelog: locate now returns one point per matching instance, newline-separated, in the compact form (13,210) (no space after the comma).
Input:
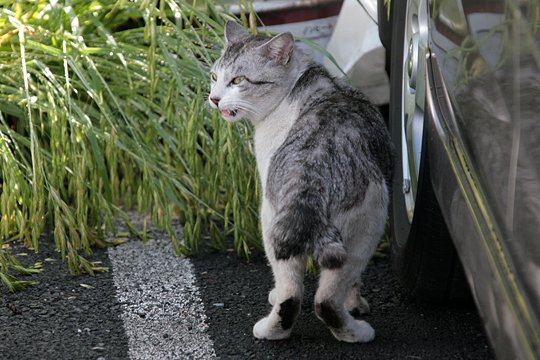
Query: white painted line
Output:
(162,310)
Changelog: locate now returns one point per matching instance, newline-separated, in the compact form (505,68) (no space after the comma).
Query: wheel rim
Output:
(413,98)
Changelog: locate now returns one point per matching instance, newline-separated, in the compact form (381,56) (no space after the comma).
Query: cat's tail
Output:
(329,250)
(302,228)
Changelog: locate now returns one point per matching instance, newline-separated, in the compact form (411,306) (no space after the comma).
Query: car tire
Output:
(423,255)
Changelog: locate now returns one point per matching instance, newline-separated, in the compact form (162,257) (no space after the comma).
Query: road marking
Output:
(162,310)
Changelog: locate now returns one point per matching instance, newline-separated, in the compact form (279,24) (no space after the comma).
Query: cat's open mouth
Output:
(229,113)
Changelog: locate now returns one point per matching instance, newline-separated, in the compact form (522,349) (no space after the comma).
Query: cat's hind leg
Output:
(334,288)
(285,298)
(338,294)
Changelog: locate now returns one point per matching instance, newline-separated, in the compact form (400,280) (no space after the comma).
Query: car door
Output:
(489,57)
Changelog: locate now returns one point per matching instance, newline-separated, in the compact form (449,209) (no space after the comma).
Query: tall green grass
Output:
(103,109)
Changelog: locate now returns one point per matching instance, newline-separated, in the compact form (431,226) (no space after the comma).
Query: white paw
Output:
(272,296)
(270,330)
(357,331)
(356,304)
(360,308)
(363,306)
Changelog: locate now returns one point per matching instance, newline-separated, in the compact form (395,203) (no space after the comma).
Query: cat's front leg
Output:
(286,296)
(355,303)
(272,296)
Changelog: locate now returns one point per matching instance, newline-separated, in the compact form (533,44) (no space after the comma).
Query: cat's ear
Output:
(234,32)
(279,48)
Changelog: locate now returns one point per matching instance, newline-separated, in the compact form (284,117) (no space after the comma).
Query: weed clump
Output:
(102,110)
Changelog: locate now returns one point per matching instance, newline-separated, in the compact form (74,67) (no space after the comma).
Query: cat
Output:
(324,158)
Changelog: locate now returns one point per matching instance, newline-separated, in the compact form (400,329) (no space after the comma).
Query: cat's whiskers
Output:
(240,105)
(244,105)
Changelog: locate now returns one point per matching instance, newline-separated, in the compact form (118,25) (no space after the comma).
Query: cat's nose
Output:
(215,100)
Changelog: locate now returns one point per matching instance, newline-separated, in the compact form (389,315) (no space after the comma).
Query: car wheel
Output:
(423,254)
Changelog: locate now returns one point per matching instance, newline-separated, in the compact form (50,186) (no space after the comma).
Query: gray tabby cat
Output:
(324,158)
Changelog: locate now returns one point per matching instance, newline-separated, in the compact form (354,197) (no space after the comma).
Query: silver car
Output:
(465,118)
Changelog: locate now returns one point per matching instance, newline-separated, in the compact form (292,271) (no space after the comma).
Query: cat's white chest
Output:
(270,134)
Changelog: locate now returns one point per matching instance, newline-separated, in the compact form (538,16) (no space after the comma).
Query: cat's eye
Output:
(237,80)
(213,76)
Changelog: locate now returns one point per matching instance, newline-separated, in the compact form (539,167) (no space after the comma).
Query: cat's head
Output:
(253,74)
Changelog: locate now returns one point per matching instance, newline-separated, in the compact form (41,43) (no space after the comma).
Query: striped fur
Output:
(325,160)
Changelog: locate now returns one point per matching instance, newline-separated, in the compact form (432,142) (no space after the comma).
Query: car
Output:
(357,52)
(312,21)
(464,115)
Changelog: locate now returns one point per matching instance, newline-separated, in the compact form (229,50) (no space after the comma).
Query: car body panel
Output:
(512,329)
(484,125)
(357,50)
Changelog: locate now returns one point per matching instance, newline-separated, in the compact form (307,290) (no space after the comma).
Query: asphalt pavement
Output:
(64,316)
(154,305)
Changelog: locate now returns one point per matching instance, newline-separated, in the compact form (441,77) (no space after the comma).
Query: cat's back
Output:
(339,138)
(327,103)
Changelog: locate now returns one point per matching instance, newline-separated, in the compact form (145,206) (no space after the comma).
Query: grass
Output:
(102,109)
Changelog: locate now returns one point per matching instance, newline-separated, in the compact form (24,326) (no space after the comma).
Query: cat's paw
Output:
(357,306)
(357,331)
(272,295)
(270,330)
